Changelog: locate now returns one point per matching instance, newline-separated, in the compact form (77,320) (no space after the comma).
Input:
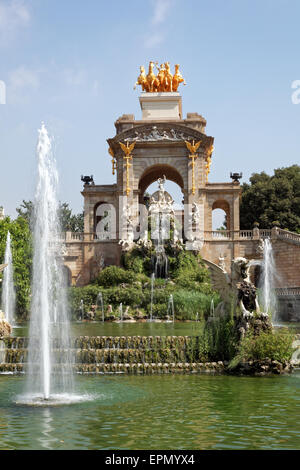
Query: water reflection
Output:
(155,412)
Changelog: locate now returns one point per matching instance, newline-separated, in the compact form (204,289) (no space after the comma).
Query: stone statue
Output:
(222,262)
(196,214)
(236,289)
(161,183)
(5,328)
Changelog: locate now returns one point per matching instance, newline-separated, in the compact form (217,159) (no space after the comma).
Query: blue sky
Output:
(73,63)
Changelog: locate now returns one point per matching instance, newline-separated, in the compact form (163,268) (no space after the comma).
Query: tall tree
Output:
(272,198)
(68,221)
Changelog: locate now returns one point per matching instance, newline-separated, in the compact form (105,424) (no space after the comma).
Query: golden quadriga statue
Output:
(163,81)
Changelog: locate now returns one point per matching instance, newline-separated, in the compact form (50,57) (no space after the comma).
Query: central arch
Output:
(154,172)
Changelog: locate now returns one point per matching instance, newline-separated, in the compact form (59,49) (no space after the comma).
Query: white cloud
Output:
(14,15)
(74,77)
(155,35)
(21,82)
(95,88)
(23,77)
(160,12)
(154,40)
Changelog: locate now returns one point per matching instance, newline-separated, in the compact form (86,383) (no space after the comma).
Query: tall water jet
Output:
(99,303)
(171,307)
(152,295)
(267,280)
(121,311)
(8,290)
(50,361)
(81,310)
(212,308)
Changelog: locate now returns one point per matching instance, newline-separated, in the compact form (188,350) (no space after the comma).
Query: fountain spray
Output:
(8,292)
(49,326)
(268,278)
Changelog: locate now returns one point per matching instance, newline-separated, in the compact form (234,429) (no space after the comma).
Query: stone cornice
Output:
(160,134)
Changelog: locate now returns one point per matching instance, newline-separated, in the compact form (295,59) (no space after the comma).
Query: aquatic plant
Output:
(275,345)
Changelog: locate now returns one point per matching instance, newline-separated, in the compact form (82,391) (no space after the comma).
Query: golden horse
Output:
(177,79)
(142,80)
(152,80)
(164,81)
(161,76)
(168,78)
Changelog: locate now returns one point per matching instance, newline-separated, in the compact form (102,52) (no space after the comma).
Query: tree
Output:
(22,259)
(68,221)
(272,198)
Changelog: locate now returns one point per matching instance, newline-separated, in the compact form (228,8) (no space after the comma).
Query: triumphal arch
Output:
(161,144)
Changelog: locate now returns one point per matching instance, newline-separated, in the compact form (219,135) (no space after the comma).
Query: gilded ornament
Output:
(164,81)
(193,147)
(127,149)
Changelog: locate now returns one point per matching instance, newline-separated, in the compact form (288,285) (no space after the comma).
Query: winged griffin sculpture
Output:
(236,289)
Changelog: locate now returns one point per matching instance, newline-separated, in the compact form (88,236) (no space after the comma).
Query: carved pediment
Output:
(160,133)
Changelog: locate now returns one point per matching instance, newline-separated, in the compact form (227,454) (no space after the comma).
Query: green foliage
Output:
(68,221)
(113,276)
(189,272)
(189,284)
(272,198)
(190,302)
(134,261)
(220,338)
(22,259)
(274,345)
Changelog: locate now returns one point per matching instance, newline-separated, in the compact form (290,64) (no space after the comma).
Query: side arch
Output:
(225,206)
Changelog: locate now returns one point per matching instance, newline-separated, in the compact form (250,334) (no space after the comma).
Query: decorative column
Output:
(193,156)
(127,149)
(208,162)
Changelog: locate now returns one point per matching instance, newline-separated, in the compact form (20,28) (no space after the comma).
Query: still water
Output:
(137,329)
(158,412)
(126,329)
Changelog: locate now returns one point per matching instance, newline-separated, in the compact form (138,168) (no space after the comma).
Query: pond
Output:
(136,329)
(158,412)
(126,329)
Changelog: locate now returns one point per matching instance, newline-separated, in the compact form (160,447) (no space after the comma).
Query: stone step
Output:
(108,355)
(133,368)
(111,342)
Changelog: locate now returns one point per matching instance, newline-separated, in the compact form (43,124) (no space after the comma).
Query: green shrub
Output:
(113,276)
(190,302)
(221,339)
(274,345)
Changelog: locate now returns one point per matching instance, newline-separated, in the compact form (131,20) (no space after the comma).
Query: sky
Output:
(72,64)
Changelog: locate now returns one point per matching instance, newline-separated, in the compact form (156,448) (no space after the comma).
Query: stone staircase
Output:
(113,354)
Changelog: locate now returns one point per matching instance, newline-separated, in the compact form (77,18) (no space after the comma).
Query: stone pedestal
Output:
(161,106)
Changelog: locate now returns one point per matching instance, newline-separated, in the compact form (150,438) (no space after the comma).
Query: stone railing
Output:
(73,237)
(213,235)
(286,235)
(288,291)
(264,233)
(246,234)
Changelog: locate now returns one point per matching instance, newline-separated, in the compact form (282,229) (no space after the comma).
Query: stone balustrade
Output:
(73,237)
